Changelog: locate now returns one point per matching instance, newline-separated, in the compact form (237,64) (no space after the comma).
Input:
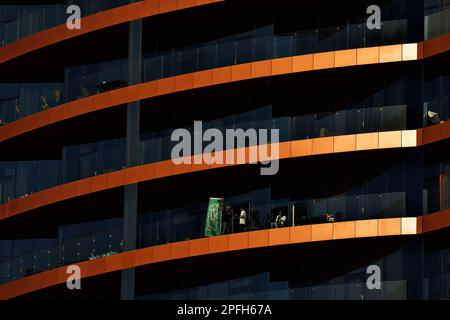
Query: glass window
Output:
(27,177)
(206,56)
(88,161)
(284,45)
(341,39)
(200,293)
(373,119)
(7,181)
(326,39)
(394,93)
(323,124)
(372,206)
(432,6)
(153,67)
(187,61)
(51,15)
(339,124)
(374,37)
(394,32)
(218,291)
(304,126)
(264,44)
(356,35)
(168,65)
(244,49)
(284,126)
(393,118)
(11,31)
(8,110)
(306,42)
(225,52)
(31,20)
(48,174)
(393,204)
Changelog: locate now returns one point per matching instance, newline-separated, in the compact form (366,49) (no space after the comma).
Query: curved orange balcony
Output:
(212,77)
(164,169)
(94,22)
(230,243)
(204,79)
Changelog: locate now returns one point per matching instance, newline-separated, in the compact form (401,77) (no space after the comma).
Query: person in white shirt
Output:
(280,220)
(242,220)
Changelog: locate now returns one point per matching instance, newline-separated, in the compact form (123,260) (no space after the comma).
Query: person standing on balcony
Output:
(226,220)
(280,220)
(242,220)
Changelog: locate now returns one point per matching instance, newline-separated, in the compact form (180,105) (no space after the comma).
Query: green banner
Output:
(213,224)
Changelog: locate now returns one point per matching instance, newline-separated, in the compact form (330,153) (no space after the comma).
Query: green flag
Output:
(213,224)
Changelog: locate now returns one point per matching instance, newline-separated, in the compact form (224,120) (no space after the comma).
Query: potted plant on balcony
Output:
(44,102)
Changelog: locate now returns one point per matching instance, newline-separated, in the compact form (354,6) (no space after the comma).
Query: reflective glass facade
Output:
(263,43)
(402,179)
(19,100)
(19,21)
(436,18)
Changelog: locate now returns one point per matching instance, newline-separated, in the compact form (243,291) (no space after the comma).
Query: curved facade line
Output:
(164,169)
(202,79)
(96,21)
(209,78)
(434,46)
(390,227)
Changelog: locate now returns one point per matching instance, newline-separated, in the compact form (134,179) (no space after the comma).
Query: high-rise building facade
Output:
(357,92)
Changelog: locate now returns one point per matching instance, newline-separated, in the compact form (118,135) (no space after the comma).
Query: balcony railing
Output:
(168,226)
(22,178)
(19,21)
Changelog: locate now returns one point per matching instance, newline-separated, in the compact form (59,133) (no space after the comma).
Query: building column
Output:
(132,155)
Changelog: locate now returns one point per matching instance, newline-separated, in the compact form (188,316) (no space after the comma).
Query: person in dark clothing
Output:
(433,118)
(226,220)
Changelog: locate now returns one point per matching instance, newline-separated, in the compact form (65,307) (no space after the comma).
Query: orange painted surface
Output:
(368,55)
(391,53)
(258,239)
(345,58)
(345,143)
(434,46)
(325,60)
(436,221)
(390,139)
(389,227)
(230,243)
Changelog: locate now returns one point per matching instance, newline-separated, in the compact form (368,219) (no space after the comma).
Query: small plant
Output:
(57,95)
(44,102)
(18,109)
(84,92)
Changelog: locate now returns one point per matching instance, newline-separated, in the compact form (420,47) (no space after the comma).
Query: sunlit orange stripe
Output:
(158,170)
(203,79)
(434,46)
(232,243)
(267,68)
(94,22)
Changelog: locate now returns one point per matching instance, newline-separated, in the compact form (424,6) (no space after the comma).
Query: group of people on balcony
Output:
(280,220)
(238,222)
(237,219)
(232,222)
